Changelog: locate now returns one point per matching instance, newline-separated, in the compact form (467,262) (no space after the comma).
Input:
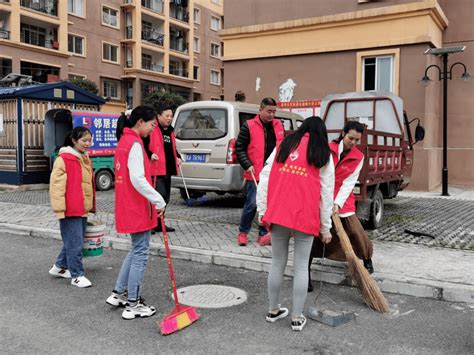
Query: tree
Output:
(162,98)
(85,84)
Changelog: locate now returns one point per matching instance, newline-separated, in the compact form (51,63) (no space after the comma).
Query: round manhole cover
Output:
(211,296)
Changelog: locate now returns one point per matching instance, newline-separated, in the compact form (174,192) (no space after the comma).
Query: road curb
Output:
(330,272)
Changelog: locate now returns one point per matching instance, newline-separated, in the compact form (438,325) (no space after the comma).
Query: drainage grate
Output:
(211,296)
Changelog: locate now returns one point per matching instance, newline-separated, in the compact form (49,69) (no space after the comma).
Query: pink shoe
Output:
(242,239)
(265,240)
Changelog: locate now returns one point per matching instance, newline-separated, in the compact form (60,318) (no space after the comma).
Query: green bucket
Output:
(92,245)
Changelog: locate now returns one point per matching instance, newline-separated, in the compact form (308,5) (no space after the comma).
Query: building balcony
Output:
(153,5)
(179,12)
(129,32)
(153,37)
(129,64)
(153,67)
(179,72)
(39,41)
(179,45)
(49,7)
(4,34)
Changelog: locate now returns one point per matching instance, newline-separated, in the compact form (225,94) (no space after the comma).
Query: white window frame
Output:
(197,18)
(197,48)
(219,50)
(218,76)
(103,52)
(83,54)
(83,14)
(112,81)
(117,16)
(219,23)
(377,58)
(76,76)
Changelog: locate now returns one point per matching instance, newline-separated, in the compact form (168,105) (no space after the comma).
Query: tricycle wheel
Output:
(376,211)
(104,180)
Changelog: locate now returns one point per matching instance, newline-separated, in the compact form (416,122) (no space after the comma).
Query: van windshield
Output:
(201,123)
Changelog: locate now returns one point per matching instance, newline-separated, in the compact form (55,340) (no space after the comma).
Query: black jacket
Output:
(243,141)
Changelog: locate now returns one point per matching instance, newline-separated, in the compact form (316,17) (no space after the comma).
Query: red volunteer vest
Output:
(343,169)
(293,198)
(158,167)
(256,148)
(74,193)
(133,212)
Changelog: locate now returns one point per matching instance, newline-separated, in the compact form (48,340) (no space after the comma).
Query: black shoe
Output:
(310,286)
(169,229)
(368,265)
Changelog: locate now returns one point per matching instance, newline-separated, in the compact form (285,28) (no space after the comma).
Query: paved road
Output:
(43,315)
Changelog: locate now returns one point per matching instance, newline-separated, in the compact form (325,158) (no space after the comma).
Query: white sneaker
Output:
(59,272)
(117,299)
(140,309)
(298,324)
(81,282)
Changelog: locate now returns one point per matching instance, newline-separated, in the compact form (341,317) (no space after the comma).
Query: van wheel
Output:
(376,211)
(104,180)
(192,194)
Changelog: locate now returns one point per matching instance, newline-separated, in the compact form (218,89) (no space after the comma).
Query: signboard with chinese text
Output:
(304,108)
(102,126)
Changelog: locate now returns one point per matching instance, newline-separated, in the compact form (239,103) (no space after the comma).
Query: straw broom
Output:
(371,293)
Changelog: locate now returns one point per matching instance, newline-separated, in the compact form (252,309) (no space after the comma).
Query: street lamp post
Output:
(445,74)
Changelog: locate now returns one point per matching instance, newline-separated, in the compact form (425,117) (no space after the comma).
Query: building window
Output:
(197,16)
(109,16)
(76,44)
(75,7)
(215,50)
(196,75)
(110,52)
(111,89)
(197,44)
(215,23)
(378,73)
(215,77)
(72,76)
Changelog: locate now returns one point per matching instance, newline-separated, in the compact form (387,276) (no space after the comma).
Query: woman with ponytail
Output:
(294,198)
(137,206)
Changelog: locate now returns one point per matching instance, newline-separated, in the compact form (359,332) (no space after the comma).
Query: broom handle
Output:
(343,238)
(184,182)
(168,257)
(253,177)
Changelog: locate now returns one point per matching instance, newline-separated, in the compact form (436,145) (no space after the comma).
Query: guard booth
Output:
(22,127)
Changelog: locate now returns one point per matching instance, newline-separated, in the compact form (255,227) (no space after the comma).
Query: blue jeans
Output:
(249,210)
(73,230)
(133,267)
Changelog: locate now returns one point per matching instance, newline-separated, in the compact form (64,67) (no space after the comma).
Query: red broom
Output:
(181,316)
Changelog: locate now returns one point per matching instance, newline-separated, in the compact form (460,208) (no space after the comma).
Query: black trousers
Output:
(163,186)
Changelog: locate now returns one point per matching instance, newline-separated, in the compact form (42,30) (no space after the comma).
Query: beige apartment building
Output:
(327,47)
(129,48)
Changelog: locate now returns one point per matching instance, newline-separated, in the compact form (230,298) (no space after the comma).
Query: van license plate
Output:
(196,158)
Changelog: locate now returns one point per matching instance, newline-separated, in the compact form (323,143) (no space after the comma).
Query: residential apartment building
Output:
(129,48)
(329,47)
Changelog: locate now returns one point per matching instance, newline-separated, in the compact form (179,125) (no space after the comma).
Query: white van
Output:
(206,133)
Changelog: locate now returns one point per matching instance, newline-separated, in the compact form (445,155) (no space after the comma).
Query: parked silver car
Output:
(206,133)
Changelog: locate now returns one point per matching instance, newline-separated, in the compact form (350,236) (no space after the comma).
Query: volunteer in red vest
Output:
(72,194)
(348,161)
(255,142)
(137,206)
(294,198)
(165,159)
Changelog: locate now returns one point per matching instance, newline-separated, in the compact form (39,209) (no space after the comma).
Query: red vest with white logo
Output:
(256,148)
(344,169)
(293,198)
(158,167)
(133,212)
(74,194)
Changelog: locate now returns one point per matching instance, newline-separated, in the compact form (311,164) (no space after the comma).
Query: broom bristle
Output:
(178,319)
(371,293)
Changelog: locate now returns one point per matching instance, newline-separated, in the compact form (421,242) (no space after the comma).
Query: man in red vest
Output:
(256,141)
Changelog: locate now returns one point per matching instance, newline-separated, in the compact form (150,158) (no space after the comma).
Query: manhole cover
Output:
(211,296)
